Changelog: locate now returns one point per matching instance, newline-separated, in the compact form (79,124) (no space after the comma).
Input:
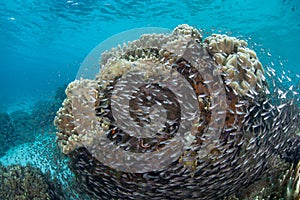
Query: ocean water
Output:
(44,43)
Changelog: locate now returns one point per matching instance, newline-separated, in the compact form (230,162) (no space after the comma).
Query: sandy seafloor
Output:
(40,154)
(37,153)
(41,151)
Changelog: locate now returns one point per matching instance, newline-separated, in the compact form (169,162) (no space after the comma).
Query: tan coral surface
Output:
(224,144)
(242,69)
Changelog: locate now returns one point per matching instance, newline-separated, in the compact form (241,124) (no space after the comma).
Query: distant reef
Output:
(21,126)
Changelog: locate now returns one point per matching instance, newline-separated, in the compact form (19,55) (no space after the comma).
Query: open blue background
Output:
(42,43)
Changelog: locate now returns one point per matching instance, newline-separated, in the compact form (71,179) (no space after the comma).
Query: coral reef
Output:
(24,127)
(290,182)
(242,70)
(60,94)
(6,130)
(280,182)
(26,182)
(20,126)
(43,113)
(22,121)
(235,135)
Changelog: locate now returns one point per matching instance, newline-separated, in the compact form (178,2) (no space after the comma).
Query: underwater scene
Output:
(150,99)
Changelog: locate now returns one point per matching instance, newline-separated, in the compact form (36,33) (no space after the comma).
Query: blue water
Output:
(42,43)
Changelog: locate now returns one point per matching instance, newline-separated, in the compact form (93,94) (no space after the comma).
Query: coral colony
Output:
(168,116)
(176,116)
(27,182)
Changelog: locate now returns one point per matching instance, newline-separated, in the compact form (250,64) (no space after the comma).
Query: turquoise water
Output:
(43,44)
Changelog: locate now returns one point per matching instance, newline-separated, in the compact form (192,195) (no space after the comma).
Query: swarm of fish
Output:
(184,119)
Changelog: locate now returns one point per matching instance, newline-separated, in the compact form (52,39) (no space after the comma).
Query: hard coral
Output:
(242,70)
(235,133)
(22,183)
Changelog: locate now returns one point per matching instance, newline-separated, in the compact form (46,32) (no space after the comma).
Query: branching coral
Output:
(22,183)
